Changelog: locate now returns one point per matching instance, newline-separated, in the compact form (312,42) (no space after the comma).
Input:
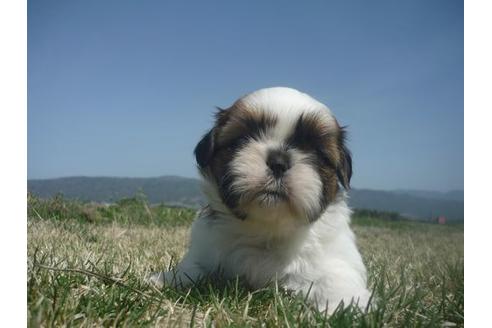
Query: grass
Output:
(86,263)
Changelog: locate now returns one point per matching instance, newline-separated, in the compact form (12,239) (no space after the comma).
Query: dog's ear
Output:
(205,148)
(344,167)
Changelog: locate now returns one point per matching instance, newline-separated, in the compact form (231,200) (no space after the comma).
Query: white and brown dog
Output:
(273,168)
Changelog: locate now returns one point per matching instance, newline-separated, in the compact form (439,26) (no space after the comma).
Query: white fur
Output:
(318,259)
(287,104)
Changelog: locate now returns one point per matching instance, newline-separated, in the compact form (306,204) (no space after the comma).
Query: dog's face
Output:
(275,151)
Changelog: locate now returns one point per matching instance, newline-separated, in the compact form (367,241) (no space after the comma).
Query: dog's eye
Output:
(232,144)
(325,159)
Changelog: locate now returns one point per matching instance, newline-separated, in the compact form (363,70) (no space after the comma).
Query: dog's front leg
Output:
(186,273)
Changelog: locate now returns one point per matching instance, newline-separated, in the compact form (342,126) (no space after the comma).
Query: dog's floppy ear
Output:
(344,167)
(204,150)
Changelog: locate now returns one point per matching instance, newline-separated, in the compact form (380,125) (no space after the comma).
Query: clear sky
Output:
(126,88)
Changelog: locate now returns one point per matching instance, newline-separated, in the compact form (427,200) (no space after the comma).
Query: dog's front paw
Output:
(174,278)
(331,304)
(167,278)
(156,278)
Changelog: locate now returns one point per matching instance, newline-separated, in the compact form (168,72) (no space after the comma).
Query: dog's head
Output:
(276,150)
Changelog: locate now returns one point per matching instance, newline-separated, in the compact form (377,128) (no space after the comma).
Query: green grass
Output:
(86,263)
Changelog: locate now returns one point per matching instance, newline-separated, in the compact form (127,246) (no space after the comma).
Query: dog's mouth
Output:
(271,197)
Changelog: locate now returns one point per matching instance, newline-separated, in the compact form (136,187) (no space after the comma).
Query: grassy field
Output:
(86,263)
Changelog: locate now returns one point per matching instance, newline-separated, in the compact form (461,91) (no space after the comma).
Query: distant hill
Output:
(175,190)
(458,195)
(408,205)
(171,190)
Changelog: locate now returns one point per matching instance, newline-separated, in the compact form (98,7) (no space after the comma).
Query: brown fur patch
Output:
(330,184)
(313,132)
(241,121)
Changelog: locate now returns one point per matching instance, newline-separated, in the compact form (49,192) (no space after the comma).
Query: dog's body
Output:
(272,168)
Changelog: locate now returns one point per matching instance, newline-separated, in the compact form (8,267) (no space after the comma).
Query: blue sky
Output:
(126,88)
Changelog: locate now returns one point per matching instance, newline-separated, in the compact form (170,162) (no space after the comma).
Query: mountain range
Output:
(180,191)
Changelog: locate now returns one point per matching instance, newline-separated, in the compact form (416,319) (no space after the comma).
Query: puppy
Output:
(274,169)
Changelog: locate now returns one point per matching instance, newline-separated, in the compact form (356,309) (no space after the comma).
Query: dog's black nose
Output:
(278,161)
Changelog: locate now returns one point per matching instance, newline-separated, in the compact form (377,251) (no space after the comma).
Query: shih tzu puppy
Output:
(274,169)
